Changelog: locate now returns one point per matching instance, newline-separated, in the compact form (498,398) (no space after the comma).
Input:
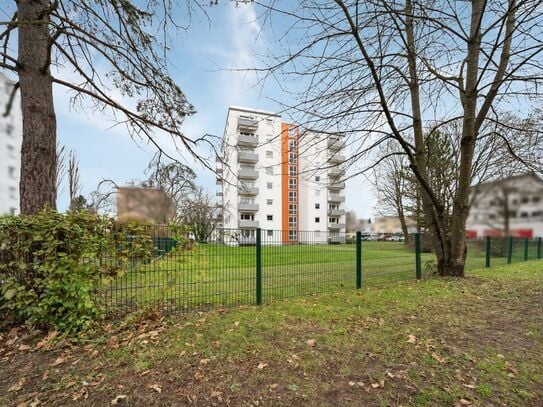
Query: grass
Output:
(433,343)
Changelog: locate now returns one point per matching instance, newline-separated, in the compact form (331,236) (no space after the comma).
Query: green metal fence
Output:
(239,267)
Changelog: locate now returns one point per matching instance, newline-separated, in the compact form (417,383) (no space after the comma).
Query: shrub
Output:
(52,264)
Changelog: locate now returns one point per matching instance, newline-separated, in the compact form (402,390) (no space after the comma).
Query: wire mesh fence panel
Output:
(186,272)
(304,263)
(476,253)
(388,260)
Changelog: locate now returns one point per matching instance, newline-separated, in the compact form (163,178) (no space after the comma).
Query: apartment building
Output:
(512,206)
(277,176)
(10,149)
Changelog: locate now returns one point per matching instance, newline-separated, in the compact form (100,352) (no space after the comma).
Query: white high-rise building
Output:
(277,176)
(10,149)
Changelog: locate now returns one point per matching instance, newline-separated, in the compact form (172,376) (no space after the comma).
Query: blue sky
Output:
(201,58)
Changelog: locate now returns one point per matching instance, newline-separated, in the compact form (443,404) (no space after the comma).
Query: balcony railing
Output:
(247,207)
(337,185)
(336,198)
(244,123)
(336,212)
(248,224)
(335,143)
(336,239)
(249,141)
(247,157)
(247,173)
(246,190)
(336,226)
(336,171)
(337,158)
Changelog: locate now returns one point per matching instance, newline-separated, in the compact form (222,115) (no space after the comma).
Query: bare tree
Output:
(399,70)
(78,38)
(201,215)
(74,186)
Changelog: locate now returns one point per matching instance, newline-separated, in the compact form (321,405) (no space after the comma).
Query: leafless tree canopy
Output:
(112,55)
(401,70)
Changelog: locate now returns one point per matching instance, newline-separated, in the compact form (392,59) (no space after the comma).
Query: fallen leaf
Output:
(274,385)
(463,402)
(412,339)
(438,358)
(118,399)
(18,386)
(390,375)
(216,394)
(311,342)
(352,384)
(236,323)
(24,347)
(262,366)
(469,386)
(156,388)
(375,385)
(204,361)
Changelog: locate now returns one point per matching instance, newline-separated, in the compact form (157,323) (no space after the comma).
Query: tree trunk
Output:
(38,150)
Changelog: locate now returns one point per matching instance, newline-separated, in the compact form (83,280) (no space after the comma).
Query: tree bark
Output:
(38,150)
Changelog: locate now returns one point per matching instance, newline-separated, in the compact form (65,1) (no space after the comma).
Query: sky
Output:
(202,63)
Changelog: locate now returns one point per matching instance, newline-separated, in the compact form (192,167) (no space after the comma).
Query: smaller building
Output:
(391,225)
(507,207)
(149,205)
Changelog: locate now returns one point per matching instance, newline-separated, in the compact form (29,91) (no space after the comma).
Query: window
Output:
(525,199)
(269,185)
(247,201)
(292,145)
(247,216)
(269,122)
(12,211)
(333,220)
(12,193)
(292,234)
(269,154)
(9,129)
(317,206)
(11,151)
(269,170)
(292,221)
(292,183)
(248,233)
(292,158)
(317,220)
(292,209)
(536,199)
(292,170)
(317,178)
(11,171)
(269,201)
(292,196)
(269,217)
(244,133)
(537,214)
(524,214)
(269,232)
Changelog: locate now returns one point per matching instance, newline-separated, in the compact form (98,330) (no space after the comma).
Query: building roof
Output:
(489,184)
(256,111)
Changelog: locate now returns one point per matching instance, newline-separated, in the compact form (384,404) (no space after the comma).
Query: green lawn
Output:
(438,342)
(220,275)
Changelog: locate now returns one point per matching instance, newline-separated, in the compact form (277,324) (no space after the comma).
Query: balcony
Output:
(336,172)
(336,212)
(336,198)
(336,226)
(247,141)
(247,124)
(335,143)
(247,240)
(247,207)
(218,169)
(247,173)
(337,159)
(337,185)
(336,239)
(219,193)
(248,224)
(246,190)
(218,181)
(247,157)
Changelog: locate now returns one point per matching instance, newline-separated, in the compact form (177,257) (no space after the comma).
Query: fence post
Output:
(538,247)
(417,256)
(487,262)
(526,242)
(510,250)
(258,266)
(358,260)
